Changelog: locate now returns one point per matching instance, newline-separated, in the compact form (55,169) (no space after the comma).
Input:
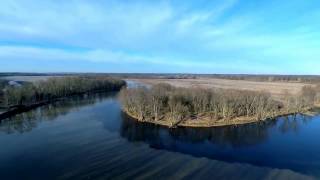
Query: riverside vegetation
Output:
(33,94)
(171,106)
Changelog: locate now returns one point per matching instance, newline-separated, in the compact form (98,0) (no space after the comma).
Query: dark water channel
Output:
(89,138)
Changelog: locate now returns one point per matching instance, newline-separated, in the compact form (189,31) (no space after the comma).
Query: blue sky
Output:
(216,36)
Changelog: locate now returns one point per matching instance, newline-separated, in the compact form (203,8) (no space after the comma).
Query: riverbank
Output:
(206,121)
(87,131)
(17,99)
(20,109)
(25,108)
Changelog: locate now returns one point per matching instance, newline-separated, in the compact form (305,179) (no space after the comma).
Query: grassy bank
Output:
(170,106)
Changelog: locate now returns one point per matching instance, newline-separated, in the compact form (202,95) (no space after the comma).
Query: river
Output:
(89,137)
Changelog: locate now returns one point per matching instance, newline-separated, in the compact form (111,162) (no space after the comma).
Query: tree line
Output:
(248,77)
(53,88)
(168,103)
(25,122)
(270,78)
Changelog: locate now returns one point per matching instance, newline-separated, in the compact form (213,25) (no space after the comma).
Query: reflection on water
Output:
(235,136)
(259,143)
(244,135)
(293,123)
(89,135)
(27,121)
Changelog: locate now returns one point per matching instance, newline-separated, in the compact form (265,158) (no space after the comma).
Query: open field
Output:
(276,89)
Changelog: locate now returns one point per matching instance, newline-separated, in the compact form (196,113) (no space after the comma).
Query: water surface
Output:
(88,138)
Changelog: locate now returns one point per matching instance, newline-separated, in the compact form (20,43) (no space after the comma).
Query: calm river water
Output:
(89,138)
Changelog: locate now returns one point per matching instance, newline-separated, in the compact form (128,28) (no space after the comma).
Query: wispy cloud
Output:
(230,36)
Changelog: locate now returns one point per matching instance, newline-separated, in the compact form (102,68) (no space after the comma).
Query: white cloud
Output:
(25,53)
(159,32)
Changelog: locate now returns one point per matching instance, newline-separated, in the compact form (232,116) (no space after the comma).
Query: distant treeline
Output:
(163,102)
(270,78)
(265,78)
(53,88)
(249,77)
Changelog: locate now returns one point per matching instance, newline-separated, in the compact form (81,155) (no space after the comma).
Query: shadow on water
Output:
(286,143)
(254,143)
(158,137)
(25,122)
(234,136)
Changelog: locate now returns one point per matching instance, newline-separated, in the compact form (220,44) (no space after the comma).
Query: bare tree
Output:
(178,110)
(177,104)
(53,88)
(158,99)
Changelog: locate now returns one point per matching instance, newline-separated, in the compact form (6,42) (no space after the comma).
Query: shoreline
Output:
(18,109)
(206,122)
(21,109)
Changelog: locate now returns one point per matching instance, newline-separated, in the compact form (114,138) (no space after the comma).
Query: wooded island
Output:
(196,107)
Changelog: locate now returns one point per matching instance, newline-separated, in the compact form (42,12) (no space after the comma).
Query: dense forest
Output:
(163,102)
(53,88)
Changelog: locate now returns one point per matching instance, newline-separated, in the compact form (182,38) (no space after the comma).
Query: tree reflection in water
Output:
(255,143)
(260,144)
(232,136)
(293,122)
(25,122)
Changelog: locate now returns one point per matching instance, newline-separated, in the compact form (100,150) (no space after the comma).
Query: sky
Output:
(126,36)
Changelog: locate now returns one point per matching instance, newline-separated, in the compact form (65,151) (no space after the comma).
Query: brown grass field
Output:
(276,89)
